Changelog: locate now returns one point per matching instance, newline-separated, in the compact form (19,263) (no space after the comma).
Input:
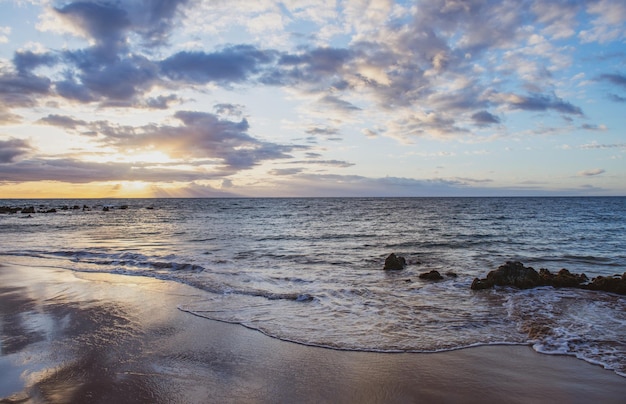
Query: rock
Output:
(451,274)
(431,276)
(516,274)
(563,279)
(394,262)
(30,209)
(479,284)
(8,209)
(510,274)
(613,284)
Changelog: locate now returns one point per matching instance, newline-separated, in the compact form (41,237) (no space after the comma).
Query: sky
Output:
(303,98)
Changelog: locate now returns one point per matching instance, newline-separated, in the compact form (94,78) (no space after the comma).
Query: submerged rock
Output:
(394,262)
(431,276)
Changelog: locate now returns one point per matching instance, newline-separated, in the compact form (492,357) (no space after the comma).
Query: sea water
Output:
(311,270)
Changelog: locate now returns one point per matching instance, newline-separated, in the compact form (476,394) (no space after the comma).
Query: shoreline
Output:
(70,336)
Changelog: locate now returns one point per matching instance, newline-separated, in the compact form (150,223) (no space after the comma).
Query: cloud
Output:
(484,118)
(22,90)
(11,149)
(194,190)
(285,171)
(322,131)
(201,135)
(315,62)
(25,61)
(356,185)
(162,101)
(4,31)
(608,24)
(591,127)
(337,104)
(81,172)
(104,23)
(226,109)
(109,24)
(542,102)
(230,65)
(121,80)
(591,173)
(7,117)
(62,121)
(603,146)
(331,163)
(557,17)
(617,79)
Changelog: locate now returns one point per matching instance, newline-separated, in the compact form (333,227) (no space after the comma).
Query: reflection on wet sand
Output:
(71,345)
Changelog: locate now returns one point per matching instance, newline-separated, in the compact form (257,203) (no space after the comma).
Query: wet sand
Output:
(101,338)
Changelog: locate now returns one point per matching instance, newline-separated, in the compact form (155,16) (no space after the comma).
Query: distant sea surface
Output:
(310,270)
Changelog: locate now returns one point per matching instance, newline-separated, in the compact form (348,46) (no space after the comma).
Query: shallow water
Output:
(310,270)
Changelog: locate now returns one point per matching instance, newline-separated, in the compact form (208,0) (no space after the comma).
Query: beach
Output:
(88,337)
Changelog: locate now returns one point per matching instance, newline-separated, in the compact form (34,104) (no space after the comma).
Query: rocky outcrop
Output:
(517,275)
(562,279)
(509,274)
(394,262)
(613,284)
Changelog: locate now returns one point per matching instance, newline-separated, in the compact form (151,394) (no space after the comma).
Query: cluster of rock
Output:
(44,209)
(515,274)
(26,210)
(395,263)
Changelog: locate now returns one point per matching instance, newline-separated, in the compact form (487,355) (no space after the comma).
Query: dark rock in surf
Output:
(480,284)
(613,284)
(30,209)
(510,274)
(394,262)
(563,279)
(516,274)
(431,276)
(451,274)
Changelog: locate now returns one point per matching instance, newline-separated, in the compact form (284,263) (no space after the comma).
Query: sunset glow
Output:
(349,98)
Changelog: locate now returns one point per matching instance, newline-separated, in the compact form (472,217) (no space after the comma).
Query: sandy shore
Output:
(100,338)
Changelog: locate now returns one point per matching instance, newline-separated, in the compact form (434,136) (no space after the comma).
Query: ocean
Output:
(310,270)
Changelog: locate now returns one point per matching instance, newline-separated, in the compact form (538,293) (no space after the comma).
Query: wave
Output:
(110,261)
